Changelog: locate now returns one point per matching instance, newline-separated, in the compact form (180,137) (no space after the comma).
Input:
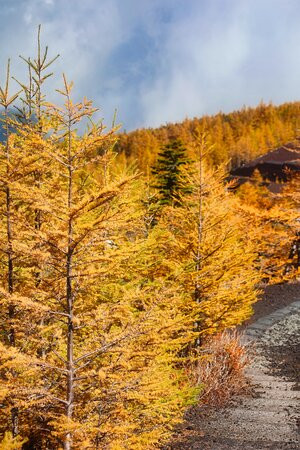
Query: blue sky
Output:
(160,61)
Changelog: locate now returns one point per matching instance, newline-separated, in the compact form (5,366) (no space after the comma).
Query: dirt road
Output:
(268,418)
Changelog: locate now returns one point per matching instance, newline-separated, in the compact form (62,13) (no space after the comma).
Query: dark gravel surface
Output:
(284,361)
(275,297)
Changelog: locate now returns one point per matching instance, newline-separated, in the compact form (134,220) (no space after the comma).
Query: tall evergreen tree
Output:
(170,180)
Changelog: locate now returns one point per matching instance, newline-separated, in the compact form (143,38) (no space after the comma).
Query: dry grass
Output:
(221,370)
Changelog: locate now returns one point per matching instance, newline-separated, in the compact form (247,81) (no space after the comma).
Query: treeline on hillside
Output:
(273,223)
(236,137)
(110,281)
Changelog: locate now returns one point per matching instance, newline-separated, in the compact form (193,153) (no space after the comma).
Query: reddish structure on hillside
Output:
(274,165)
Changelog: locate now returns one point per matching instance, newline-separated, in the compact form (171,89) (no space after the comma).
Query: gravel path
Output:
(269,417)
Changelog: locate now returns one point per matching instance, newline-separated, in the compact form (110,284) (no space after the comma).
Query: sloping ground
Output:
(268,418)
(289,153)
(273,164)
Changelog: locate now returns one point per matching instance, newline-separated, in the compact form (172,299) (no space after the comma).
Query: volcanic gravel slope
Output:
(268,418)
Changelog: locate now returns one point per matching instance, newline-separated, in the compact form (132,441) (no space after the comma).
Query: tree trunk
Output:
(70,300)
(10,266)
(197,292)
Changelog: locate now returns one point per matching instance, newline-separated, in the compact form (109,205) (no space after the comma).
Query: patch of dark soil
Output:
(275,296)
(190,435)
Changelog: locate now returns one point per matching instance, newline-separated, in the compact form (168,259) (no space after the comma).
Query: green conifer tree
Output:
(169,178)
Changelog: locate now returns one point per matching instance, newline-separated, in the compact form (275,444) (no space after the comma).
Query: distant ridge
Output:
(274,164)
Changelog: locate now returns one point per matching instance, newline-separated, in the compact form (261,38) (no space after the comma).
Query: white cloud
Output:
(197,56)
(195,64)
(28,18)
(84,33)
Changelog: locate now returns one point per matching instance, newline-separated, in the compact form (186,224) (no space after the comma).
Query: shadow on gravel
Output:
(285,362)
